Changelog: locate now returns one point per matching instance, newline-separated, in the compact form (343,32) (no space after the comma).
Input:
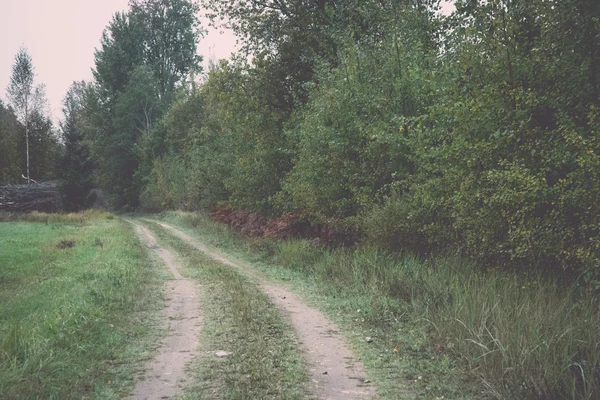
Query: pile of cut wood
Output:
(43,197)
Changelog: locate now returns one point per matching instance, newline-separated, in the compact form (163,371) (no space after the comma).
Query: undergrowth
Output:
(510,337)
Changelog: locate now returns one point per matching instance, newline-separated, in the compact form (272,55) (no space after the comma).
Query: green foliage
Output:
(76,166)
(229,137)
(504,158)
(193,157)
(253,108)
(459,131)
(171,31)
(353,145)
(44,148)
(398,224)
(145,56)
(290,35)
(166,188)
(476,130)
(10,134)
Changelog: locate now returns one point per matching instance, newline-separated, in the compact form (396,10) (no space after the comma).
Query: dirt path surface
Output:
(164,374)
(334,372)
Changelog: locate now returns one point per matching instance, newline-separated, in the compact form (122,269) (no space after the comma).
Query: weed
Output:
(65,244)
(72,218)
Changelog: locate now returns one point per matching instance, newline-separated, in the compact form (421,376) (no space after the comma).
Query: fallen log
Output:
(43,197)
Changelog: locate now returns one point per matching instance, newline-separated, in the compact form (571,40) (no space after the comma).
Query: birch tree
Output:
(24,96)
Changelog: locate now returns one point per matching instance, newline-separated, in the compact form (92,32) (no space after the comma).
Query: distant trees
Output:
(10,137)
(411,129)
(419,131)
(39,144)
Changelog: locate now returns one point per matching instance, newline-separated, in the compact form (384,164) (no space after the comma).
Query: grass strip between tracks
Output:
(263,360)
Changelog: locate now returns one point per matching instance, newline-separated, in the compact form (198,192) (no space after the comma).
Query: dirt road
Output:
(335,373)
(164,375)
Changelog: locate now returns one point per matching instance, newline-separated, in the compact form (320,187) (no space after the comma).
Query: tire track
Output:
(164,374)
(335,373)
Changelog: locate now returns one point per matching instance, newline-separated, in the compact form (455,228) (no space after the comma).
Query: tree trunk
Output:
(27,138)
(27,150)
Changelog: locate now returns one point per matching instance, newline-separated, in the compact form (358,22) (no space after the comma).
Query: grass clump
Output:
(264,362)
(73,320)
(505,336)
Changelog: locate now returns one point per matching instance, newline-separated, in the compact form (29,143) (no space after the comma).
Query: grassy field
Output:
(439,326)
(79,299)
(264,362)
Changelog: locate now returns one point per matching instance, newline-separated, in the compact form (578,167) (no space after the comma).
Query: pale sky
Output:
(61,36)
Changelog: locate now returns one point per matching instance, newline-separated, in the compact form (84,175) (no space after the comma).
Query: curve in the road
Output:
(334,371)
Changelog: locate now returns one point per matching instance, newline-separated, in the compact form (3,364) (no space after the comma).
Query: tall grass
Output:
(73,320)
(517,337)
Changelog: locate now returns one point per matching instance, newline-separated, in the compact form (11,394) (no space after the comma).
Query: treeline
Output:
(33,150)
(411,129)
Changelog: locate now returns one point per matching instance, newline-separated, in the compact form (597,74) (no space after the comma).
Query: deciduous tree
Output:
(25,97)
(145,56)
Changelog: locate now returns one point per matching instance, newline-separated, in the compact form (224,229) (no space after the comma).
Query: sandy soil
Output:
(334,372)
(164,374)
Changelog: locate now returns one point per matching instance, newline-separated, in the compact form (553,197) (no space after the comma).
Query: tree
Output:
(290,36)
(171,33)
(24,96)
(145,57)
(44,146)
(75,165)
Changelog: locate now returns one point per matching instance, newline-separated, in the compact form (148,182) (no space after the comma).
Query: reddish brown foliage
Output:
(254,224)
(287,226)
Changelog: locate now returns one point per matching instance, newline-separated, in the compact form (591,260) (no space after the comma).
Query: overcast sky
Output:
(61,36)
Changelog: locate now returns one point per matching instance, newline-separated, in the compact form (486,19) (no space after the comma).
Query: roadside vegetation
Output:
(263,360)
(79,301)
(438,323)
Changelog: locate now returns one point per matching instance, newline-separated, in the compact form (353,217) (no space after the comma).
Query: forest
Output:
(385,125)
(387,122)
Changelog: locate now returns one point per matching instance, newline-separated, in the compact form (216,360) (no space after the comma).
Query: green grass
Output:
(264,362)
(74,321)
(466,334)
